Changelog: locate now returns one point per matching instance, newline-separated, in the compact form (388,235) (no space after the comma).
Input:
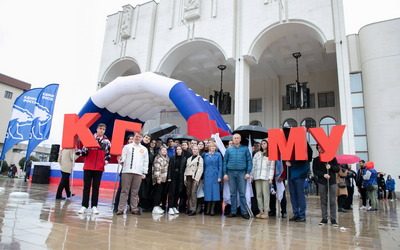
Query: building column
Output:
(242,93)
(276,100)
(342,59)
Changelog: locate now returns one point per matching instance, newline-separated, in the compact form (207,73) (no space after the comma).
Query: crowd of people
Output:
(188,177)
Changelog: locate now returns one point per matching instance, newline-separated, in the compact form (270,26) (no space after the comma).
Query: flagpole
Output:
(1,166)
(72,171)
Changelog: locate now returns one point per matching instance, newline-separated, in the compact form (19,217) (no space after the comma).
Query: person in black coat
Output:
(359,183)
(381,186)
(175,179)
(350,180)
(325,172)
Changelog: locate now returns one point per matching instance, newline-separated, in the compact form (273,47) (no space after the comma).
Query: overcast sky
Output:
(49,41)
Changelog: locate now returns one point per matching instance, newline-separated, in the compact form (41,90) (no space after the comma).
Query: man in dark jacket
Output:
(359,182)
(93,168)
(298,171)
(326,179)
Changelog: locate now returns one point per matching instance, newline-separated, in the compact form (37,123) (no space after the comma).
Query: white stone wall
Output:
(380,64)
(236,23)
(6,108)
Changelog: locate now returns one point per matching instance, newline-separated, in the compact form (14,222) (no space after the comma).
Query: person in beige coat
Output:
(342,188)
(192,176)
(66,160)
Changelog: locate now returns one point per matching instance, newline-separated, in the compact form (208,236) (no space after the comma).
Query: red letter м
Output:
(277,143)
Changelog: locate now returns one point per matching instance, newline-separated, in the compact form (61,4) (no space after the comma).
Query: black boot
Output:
(212,213)
(208,207)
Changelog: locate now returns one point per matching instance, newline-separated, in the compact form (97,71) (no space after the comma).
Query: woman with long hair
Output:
(176,169)
(160,172)
(263,173)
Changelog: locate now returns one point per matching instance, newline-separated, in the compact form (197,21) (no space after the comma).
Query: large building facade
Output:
(188,39)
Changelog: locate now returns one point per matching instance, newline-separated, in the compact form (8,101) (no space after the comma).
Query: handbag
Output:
(342,183)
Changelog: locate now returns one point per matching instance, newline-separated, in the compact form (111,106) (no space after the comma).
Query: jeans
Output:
(323,195)
(297,197)
(64,184)
(91,179)
(372,193)
(237,183)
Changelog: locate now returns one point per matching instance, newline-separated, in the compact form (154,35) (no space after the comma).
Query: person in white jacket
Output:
(263,173)
(135,161)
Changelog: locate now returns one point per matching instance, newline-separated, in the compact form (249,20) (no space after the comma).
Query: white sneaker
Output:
(95,211)
(82,210)
(171,211)
(157,210)
(363,207)
(369,208)
(175,210)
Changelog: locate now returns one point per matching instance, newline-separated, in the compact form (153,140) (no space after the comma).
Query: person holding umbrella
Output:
(326,179)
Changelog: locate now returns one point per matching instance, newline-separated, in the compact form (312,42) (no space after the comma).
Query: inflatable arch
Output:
(141,97)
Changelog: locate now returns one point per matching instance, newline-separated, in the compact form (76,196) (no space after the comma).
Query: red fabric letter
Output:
(277,144)
(79,127)
(328,144)
(120,128)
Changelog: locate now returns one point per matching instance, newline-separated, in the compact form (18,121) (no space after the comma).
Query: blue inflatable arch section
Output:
(141,97)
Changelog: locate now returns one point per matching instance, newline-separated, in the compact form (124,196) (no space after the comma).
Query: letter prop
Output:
(79,127)
(279,144)
(120,127)
(330,143)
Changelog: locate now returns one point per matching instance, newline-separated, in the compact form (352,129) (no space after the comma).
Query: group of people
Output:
(188,177)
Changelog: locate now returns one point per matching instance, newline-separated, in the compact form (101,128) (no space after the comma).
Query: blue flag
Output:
(43,116)
(19,126)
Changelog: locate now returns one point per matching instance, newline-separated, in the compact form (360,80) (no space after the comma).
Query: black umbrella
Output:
(256,132)
(163,129)
(181,137)
(226,138)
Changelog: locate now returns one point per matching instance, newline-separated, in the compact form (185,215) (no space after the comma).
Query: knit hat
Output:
(369,165)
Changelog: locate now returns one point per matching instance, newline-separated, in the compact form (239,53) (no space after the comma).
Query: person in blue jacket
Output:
(390,184)
(237,168)
(212,177)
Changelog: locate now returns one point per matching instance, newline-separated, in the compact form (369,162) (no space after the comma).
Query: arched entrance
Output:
(122,67)
(195,62)
(273,67)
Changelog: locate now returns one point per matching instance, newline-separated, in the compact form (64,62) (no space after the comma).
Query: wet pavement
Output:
(30,218)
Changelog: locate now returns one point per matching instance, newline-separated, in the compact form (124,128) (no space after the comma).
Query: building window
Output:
(289,123)
(359,121)
(327,123)
(286,106)
(255,105)
(8,94)
(359,128)
(256,123)
(326,99)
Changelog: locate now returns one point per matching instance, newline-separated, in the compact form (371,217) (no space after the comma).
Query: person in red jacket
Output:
(93,168)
